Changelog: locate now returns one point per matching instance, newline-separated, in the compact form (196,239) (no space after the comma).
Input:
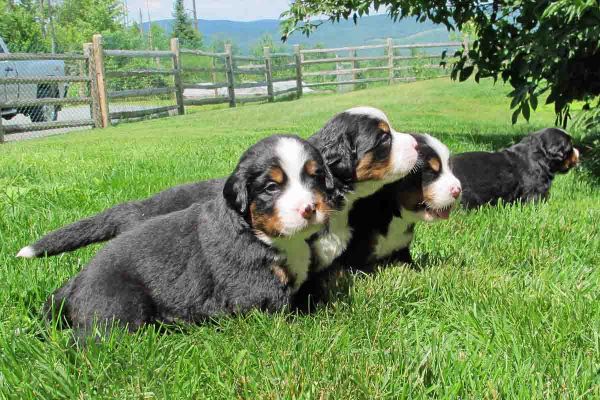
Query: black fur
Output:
(522,172)
(189,265)
(345,139)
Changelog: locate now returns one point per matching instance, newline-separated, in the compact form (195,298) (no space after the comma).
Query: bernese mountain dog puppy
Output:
(383,224)
(359,145)
(223,256)
(522,172)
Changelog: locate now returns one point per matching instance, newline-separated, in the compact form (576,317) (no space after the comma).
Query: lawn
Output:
(502,302)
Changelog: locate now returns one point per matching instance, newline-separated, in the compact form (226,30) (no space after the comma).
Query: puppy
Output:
(383,224)
(226,255)
(359,145)
(365,153)
(522,172)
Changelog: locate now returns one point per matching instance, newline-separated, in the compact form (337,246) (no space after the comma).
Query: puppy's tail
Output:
(98,228)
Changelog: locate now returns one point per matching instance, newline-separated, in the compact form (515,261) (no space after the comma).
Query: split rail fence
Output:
(182,77)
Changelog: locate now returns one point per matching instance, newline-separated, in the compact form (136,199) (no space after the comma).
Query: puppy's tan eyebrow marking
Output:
(434,163)
(277,174)
(311,167)
(384,126)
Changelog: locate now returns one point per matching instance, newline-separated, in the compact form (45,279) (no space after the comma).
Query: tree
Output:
(183,29)
(76,21)
(20,29)
(536,46)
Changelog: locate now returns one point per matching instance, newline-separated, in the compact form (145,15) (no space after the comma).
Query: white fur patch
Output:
(397,236)
(26,252)
(296,196)
(404,154)
(297,253)
(441,195)
(369,111)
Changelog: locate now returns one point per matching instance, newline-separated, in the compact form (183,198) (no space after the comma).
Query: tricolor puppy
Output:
(227,255)
(359,145)
(384,223)
(522,172)
(365,153)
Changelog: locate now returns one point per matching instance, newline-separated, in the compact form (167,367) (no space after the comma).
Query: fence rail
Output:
(197,78)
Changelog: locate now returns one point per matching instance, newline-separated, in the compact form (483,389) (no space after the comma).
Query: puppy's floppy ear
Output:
(235,191)
(333,140)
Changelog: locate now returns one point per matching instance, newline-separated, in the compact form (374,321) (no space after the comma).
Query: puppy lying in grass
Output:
(384,223)
(522,172)
(241,250)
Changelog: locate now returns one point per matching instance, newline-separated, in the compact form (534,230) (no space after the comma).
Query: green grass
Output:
(504,302)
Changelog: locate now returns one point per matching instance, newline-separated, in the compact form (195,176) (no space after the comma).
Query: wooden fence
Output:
(304,68)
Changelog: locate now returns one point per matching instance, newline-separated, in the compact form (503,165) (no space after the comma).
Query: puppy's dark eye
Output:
(384,139)
(271,187)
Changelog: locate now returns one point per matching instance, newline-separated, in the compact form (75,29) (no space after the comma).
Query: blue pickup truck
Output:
(14,96)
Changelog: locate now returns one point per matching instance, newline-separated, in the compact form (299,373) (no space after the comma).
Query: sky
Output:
(234,10)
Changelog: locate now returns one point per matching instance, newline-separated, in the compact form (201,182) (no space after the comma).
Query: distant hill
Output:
(369,30)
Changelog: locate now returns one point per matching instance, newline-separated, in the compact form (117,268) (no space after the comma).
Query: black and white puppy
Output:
(384,223)
(365,153)
(227,255)
(522,172)
(362,150)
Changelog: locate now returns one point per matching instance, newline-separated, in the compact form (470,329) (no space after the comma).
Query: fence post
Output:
(177,75)
(1,131)
(390,51)
(214,74)
(268,73)
(230,77)
(298,56)
(354,54)
(93,85)
(98,51)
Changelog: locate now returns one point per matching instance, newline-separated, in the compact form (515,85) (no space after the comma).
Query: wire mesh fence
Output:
(44,92)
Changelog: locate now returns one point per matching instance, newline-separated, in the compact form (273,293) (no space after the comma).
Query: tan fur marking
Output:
(384,126)
(434,164)
(266,223)
(321,205)
(311,167)
(368,169)
(572,161)
(282,274)
(277,175)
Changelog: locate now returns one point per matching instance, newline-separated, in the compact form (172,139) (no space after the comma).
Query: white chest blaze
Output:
(399,235)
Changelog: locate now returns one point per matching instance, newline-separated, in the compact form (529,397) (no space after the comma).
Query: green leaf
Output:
(515,115)
(526,110)
(534,101)
(465,73)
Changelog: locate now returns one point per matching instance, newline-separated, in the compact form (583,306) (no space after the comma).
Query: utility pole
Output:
(141,23)
(43,18)
(149,27)
(52,33)
(126,13)
(195,16)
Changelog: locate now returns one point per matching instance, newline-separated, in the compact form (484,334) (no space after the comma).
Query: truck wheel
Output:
(47,112)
